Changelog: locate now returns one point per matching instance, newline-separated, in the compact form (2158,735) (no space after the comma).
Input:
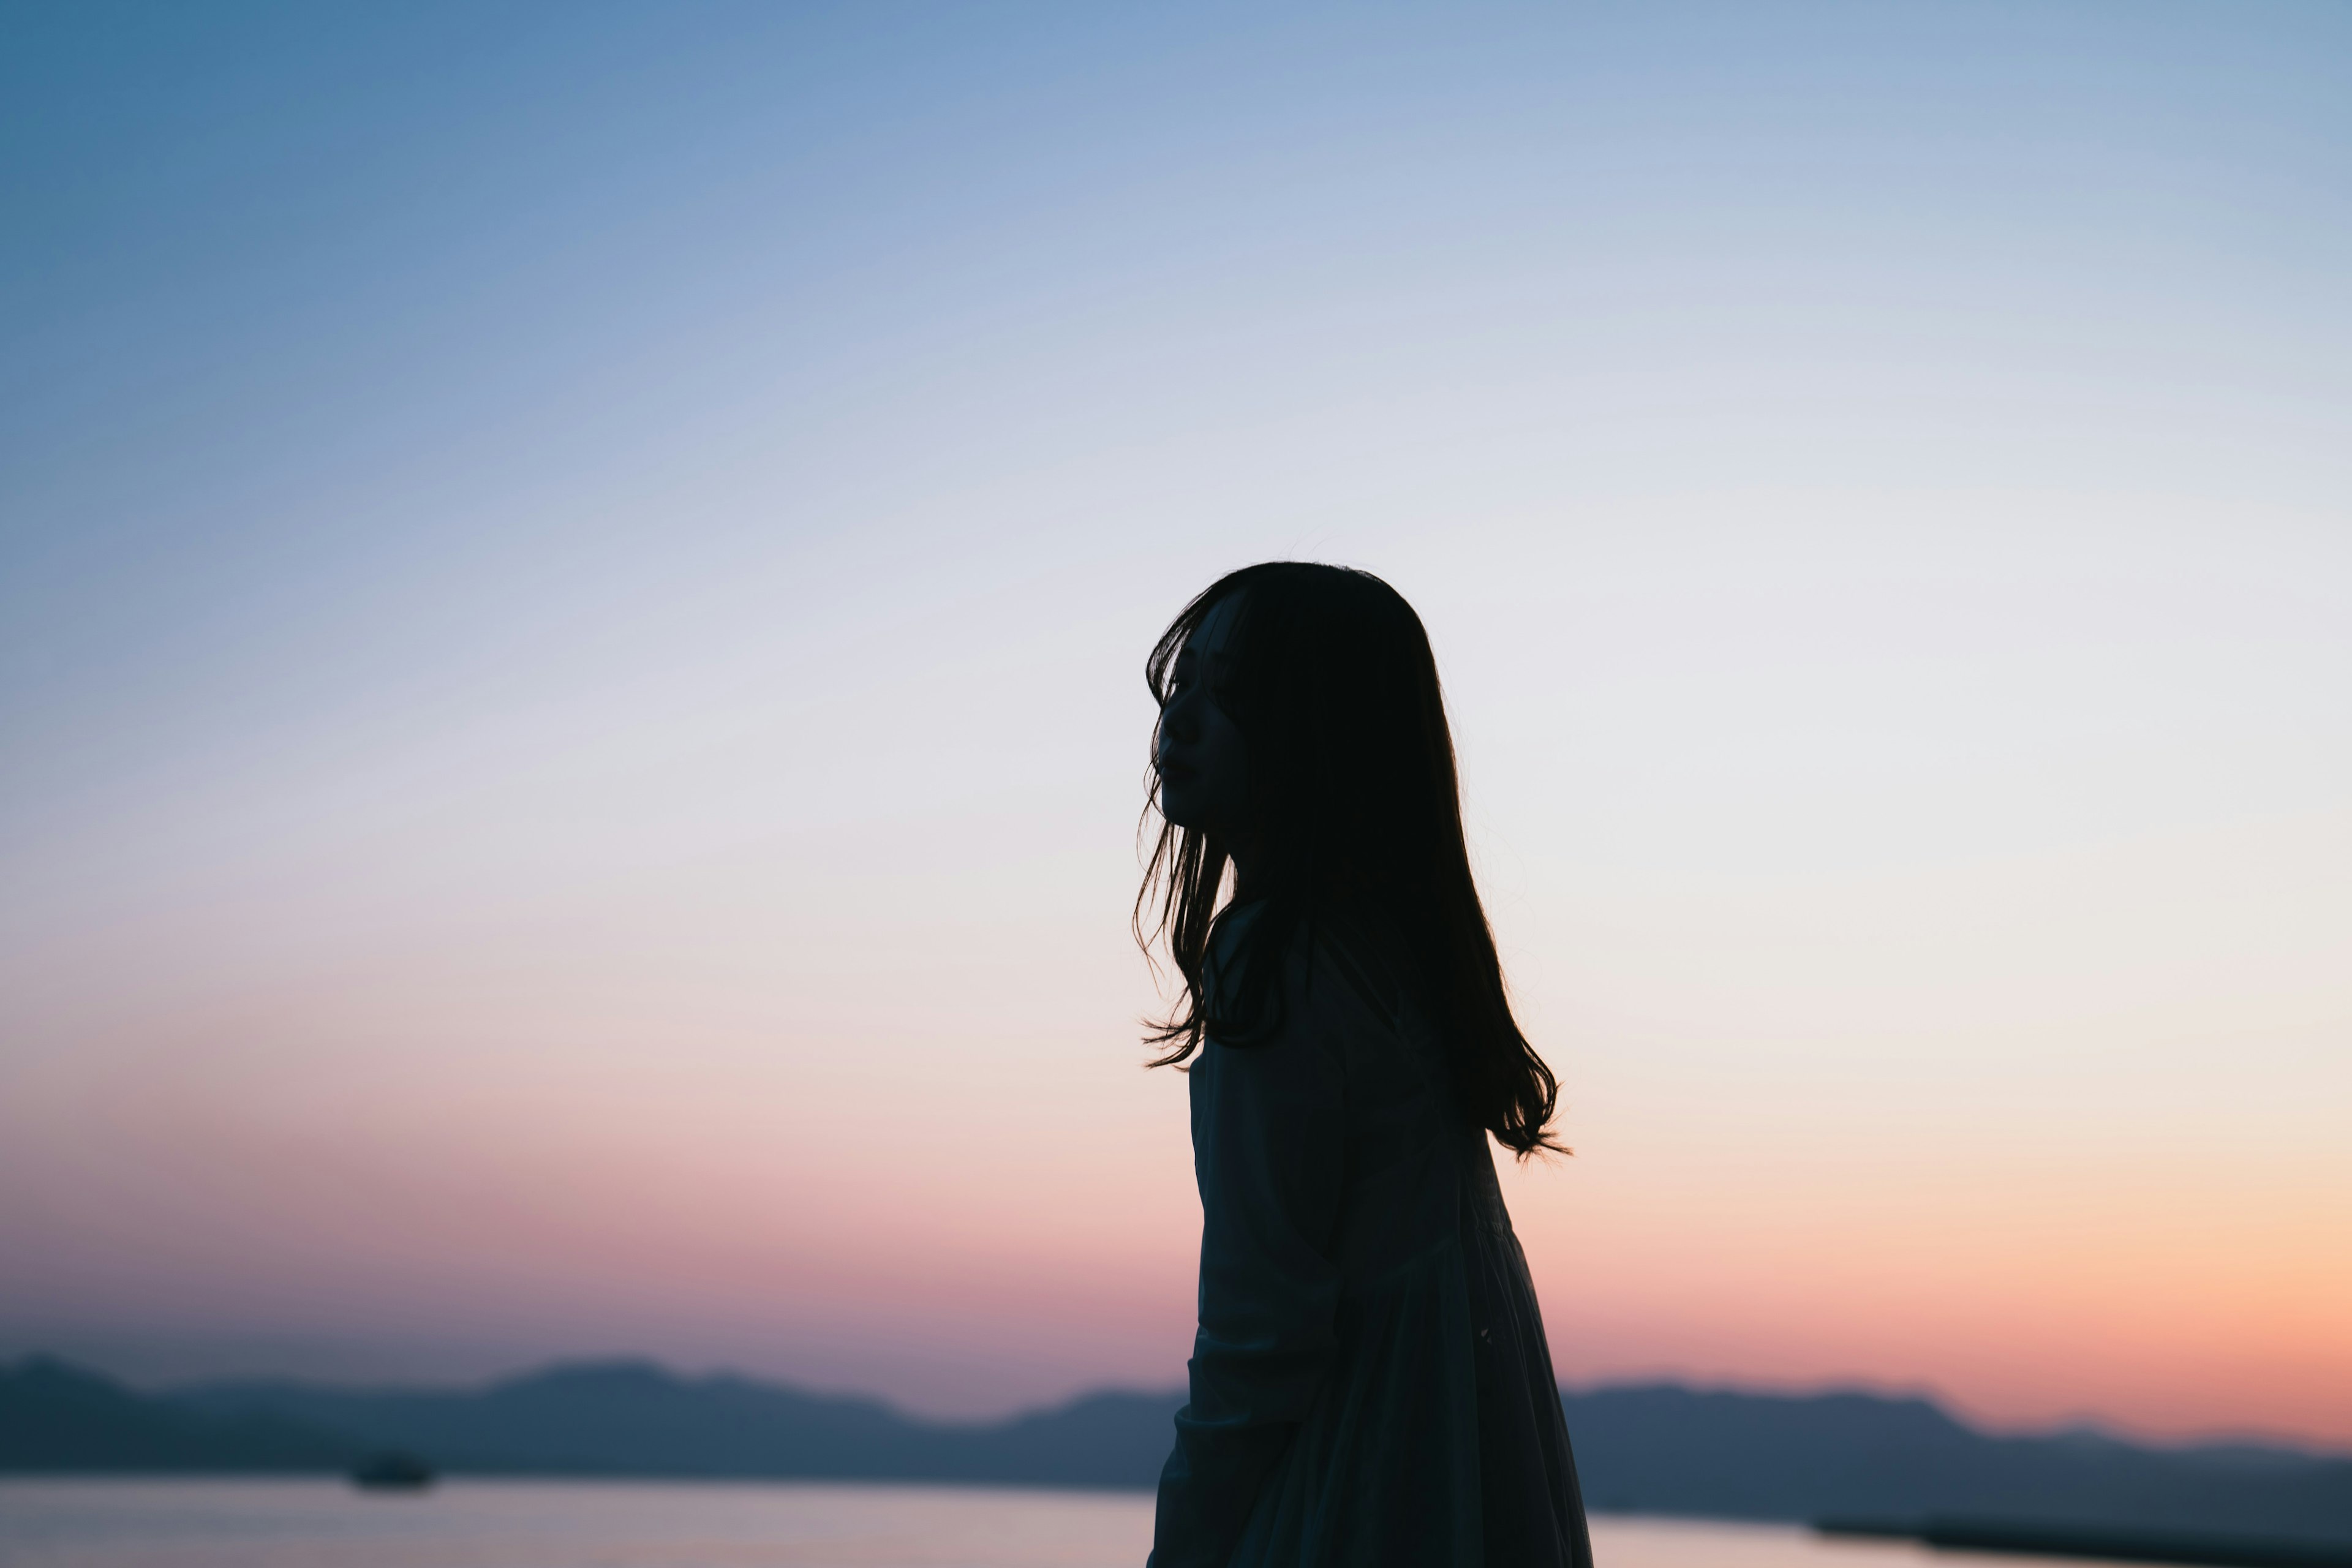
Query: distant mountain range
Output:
(1654,1449)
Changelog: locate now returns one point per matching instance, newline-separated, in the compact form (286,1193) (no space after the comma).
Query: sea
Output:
(225,1523)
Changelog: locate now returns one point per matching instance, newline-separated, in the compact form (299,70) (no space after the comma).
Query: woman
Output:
(1370,1383)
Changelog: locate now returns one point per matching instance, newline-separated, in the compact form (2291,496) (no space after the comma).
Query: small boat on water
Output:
(391,1472)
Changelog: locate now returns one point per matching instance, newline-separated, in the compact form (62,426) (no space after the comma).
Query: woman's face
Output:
(1203,766)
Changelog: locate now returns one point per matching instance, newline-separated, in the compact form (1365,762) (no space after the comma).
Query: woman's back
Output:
(1371,1383)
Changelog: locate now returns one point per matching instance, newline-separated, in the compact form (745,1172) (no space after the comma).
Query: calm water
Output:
(512,1524)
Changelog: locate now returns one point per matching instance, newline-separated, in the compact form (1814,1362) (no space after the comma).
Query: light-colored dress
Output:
(1371,1385)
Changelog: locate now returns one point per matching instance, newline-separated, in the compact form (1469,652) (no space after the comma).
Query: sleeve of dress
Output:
(1268,1145)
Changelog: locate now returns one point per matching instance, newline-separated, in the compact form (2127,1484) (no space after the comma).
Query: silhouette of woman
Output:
(1371,1383)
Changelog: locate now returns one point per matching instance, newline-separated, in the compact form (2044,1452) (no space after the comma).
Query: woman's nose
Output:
(1176,720)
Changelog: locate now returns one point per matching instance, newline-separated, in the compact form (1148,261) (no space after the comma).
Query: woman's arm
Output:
(1268,1145)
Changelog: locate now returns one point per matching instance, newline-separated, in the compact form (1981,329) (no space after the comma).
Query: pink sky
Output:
(741,1110)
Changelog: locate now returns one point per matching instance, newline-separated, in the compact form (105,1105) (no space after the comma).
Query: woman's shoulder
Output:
(1314,962)
(1267,972)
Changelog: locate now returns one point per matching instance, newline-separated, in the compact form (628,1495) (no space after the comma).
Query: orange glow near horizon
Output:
(729,1217)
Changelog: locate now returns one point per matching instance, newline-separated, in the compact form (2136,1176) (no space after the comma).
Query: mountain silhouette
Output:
(58,1416)
(1650,1448)
(636,1418)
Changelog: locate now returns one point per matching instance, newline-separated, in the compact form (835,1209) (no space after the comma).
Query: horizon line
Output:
(2078,1428)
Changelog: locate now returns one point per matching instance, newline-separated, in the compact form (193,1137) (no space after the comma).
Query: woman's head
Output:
(1303,739)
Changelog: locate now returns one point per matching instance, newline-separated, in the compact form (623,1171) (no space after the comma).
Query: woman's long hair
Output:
(1356,821)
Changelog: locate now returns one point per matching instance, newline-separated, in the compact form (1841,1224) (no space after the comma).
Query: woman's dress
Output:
(1371,1385)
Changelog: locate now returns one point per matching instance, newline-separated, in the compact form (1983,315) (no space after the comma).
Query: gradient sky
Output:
(572,586)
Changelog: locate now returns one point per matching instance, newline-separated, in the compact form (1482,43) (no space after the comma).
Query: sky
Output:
(573,583)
